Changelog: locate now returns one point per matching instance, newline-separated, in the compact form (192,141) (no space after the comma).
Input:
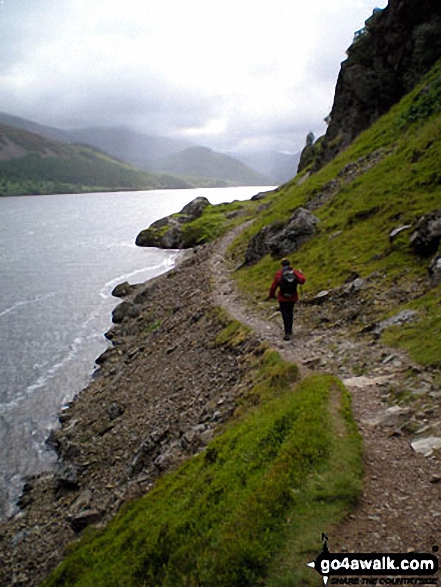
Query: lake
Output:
(60,258)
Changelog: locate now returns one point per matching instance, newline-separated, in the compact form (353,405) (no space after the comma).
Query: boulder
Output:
(167,232)
(195,208)
(123,310)
(426,446)
(426,238)
(280,239)
(259,245)
(121,290)
(163,234)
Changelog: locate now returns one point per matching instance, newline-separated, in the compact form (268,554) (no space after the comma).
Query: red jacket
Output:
(276,283)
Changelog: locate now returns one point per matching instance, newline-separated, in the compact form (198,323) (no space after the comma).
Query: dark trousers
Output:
(287,311)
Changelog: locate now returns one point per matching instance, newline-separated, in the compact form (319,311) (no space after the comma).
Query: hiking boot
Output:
(287,337)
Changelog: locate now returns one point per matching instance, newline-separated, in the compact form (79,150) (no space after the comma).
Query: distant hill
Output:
(204,163)
(132,147)
(32,164)
(136,148)
(49,132)
(159,154)
(279,167)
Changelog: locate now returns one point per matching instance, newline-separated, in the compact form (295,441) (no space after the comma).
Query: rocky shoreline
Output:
(163,390)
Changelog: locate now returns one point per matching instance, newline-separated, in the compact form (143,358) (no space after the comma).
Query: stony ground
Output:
(165,388)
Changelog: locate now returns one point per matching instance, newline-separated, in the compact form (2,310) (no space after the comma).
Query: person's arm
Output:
(274,286)
(300,277)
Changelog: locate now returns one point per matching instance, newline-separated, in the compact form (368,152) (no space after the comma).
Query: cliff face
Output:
(387,58)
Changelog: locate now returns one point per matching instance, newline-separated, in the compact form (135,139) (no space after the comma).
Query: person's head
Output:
(285,262)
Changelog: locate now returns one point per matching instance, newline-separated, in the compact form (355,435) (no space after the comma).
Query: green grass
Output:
(421,337)
(215,221)
(251,507)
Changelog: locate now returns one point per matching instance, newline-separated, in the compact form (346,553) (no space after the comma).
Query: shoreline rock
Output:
(167,233)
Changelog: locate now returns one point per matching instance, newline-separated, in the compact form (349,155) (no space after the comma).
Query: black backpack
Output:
(288,282)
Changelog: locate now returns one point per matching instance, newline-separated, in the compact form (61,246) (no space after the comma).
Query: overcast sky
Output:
(228,74)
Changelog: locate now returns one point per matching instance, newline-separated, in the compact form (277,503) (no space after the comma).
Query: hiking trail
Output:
(400,508)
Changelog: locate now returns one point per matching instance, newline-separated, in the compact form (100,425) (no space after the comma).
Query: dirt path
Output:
(400,509)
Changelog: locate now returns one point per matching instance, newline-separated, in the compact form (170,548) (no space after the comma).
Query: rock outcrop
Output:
(427,236)
(280,239)
(168,233)
(387,58)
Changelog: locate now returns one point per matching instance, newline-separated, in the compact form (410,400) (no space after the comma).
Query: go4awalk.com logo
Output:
(366,568)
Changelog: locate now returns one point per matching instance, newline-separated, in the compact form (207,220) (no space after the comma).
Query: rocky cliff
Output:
(387,58)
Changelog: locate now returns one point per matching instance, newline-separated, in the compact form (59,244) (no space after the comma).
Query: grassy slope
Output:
(252,505)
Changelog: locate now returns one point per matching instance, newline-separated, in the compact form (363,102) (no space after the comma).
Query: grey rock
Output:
(426,446)
(105,356)
(396,231)
(259,245)
(121,290)
(320,298)
(354,286)
(123,310)
(426,238)
(393,416)
(66,478)
(397,320)
(167,232)
(280,238)
(144,456)
(435,270)
(195,208)
(115,410)
(260,196)
(82,502)
(85,518)
(190,441)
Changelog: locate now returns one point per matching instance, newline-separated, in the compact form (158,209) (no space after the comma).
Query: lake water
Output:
(60,258)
